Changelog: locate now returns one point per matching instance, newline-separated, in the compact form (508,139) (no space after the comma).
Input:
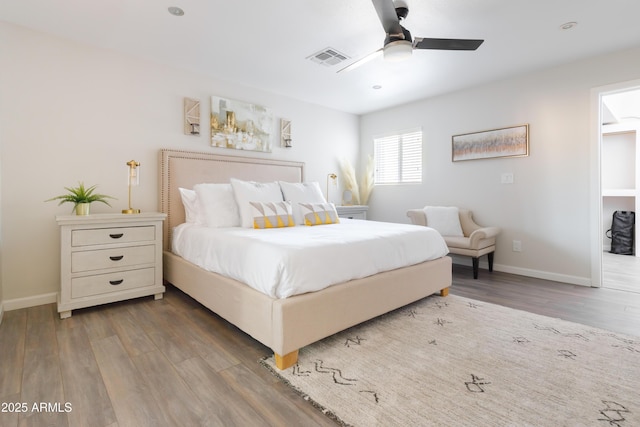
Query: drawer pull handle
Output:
(116,258)
(116,236)
(116,282)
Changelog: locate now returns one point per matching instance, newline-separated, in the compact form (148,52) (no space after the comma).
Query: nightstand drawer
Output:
(112,258)
(352,211)
(111,282)
(359,215)
(99,236)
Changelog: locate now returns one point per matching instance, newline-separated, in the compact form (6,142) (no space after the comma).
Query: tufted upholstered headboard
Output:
(187,168)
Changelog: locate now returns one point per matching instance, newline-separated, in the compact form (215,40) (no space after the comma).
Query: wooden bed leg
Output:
(286,361)
(444,292)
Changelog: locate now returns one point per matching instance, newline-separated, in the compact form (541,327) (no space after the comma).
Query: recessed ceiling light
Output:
(176,11)
(568,25)
(376,87)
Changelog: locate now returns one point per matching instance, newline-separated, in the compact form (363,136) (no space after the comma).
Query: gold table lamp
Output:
(133,180)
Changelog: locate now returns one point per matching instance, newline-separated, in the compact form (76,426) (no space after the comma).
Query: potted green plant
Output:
(81,197)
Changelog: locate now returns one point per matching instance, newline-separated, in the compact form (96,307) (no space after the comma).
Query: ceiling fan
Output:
(398,43)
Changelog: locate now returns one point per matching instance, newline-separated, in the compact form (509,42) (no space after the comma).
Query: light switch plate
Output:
(517,246)
(506,178)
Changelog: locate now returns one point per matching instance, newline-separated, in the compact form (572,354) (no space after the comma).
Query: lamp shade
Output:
(332,177)
(133,173)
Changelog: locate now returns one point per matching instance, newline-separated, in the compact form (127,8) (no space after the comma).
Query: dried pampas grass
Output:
(350,181)
(367,182)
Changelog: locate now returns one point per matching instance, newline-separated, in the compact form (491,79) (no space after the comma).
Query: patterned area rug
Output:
(458,362)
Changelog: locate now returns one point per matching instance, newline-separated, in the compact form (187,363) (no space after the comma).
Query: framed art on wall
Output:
(240,125)
(505,142)
(191,116)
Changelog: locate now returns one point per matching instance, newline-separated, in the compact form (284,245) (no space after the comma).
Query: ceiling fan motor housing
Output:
(405,35)
(401,11)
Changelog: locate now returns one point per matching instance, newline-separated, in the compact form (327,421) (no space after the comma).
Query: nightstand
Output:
(353,211)
(109,257)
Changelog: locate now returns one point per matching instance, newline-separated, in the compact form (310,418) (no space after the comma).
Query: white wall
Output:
(548,206)
(72,113)
(1,298)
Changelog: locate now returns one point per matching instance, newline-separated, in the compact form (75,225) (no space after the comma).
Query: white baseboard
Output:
(18,303)
(545,275)
(555,277)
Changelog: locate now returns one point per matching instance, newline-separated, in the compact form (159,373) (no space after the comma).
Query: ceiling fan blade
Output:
(388,17)
(446,44)
(361,61)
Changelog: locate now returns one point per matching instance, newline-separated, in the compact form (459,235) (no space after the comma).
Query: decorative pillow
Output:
(301,192)
(250,191)
(319,213)
(219,208)
(444,219)
(192,209)
(271,214)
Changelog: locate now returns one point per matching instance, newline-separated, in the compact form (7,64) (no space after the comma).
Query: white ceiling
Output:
(264,44)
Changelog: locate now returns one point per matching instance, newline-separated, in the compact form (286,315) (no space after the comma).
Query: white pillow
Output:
(444,219)
(251,191)
(192,210)
(301,192)
(219,208)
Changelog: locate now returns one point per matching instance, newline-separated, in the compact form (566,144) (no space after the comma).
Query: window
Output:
(398,158)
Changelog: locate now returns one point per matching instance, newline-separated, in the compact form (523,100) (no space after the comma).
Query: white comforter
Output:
(287,261)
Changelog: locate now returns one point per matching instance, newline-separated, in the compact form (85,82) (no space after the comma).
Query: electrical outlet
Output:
(517,246)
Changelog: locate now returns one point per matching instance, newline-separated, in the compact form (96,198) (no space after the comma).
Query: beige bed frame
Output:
(284,325)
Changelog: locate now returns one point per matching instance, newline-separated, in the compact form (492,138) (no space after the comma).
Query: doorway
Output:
(619,179)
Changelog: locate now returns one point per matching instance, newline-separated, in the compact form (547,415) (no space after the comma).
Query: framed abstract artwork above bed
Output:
(240,125)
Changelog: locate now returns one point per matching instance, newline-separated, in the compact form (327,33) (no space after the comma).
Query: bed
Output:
(283,324)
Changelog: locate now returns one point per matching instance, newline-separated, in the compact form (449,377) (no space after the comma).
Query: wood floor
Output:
(173,363)
(621,272)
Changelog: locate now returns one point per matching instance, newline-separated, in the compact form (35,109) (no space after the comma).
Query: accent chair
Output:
(463,237)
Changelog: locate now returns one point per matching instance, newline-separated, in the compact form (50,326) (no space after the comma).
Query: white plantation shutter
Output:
(398,158)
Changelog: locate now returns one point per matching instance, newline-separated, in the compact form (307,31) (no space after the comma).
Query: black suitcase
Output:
(621,232)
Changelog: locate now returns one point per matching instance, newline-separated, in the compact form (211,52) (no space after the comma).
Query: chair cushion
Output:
(444,219)
(465,242)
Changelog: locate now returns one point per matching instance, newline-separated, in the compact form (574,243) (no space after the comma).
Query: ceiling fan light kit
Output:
(397,51)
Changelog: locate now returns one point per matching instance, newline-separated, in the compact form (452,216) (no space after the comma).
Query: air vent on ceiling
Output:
(328,57)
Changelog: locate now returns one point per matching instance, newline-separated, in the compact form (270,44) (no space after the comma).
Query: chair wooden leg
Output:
(490,256)
(476,263)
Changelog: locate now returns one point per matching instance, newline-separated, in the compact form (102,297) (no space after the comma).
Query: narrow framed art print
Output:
(505,142)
